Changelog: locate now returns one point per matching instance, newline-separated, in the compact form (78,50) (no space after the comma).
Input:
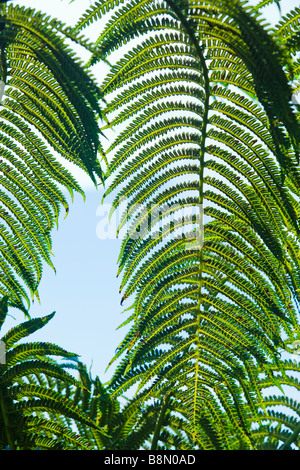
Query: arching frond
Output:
(49,107)
(206,165)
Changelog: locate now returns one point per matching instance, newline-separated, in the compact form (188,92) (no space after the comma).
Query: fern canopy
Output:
(205,163)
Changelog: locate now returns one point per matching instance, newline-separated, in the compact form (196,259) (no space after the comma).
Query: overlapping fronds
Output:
(49,106)
(126,427)
(36,392)
(205,164)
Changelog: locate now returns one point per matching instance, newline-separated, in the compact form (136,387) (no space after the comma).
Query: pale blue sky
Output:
(84,292)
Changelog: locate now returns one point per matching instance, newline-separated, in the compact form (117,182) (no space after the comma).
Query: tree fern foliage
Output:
(49,106)
(205,163)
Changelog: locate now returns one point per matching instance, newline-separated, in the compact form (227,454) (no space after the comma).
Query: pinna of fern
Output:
(50,106)
(202,99)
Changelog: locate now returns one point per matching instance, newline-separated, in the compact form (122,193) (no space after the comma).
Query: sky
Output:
(84,292)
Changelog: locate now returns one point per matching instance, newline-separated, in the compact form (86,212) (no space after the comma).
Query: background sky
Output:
(84,292)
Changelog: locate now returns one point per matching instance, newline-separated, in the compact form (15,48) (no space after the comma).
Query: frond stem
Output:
(291,439)
(199,50)
(7,426)
(3,69)
(165,404)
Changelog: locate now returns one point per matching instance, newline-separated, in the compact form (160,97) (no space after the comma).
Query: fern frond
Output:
(201,98)
(51,104)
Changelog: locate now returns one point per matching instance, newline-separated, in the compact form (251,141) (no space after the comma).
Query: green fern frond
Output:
(201,102)
(42,426)
(37,406)
(24,329)
(50,104)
